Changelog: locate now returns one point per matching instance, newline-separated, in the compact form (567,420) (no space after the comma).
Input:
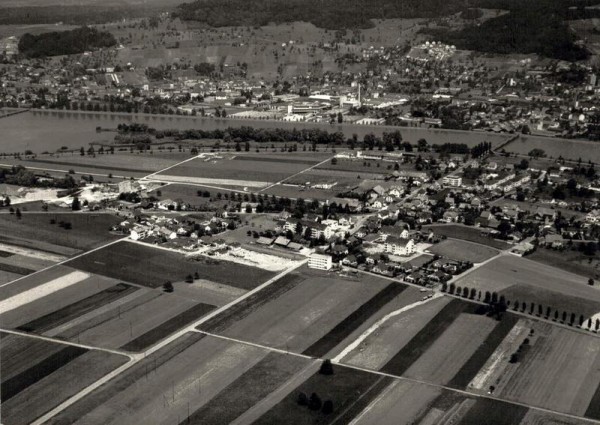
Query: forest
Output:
(530,27)
(329,14)
(64,42)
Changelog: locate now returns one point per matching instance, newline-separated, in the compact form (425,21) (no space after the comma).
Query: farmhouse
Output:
(399,246)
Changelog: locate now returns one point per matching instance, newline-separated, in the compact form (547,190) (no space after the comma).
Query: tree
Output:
(327,407)
(444,287)
(326,367)
(196,276)
(75,205)
(189,278)
(537,153)
(302,399)
(18,214)
(168,286)
(315,403)
(591,281)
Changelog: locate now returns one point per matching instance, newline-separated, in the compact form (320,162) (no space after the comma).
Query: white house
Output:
(399,246)
(320,262)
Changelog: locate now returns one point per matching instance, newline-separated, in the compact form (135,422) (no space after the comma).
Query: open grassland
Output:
(523,280)
(444,359)
(463,251)
(553,147)
(167,385)
(38,375)
(559,370)
(471,234)
(239,168)
(344,388)
(88,230)
(152,267)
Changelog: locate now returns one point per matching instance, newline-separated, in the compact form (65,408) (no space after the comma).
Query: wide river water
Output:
(49,130)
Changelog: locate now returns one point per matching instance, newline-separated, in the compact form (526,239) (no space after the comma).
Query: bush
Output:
(315,403)
(302,399)
(327,407)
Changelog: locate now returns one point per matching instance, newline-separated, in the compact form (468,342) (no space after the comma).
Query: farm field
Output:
(558,370)
(463,251)
(402,402)
(555,147)
(299,317)
(520,279)
(35,230)
(470,234)
(172,383)
(379,347)
(152,267)
(38,375)
(345,388)
(568,260)
(445,357)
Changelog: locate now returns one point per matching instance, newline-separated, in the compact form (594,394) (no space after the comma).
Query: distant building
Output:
(452,181)
(320,262)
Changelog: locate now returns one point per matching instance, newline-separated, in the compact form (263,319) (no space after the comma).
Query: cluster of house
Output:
(160,229)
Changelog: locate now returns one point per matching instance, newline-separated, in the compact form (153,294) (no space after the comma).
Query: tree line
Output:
(70,42)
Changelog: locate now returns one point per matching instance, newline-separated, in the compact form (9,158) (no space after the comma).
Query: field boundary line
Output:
(297,174)
(65,261)
(253,344)
(173,166)
(65,342)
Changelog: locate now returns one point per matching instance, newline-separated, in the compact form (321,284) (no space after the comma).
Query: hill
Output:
(330,14)
(530,27)
(64,42)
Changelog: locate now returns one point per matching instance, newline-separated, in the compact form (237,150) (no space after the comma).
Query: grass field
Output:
(463,251)
(470,234)
(568,260)
(523,280)
(38,375)
(88,231)
(256,170)
(152,267)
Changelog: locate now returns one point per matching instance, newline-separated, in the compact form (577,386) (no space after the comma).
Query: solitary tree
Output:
(76,205)
(18,214)
(326,367)
(591,281)
(168,286)
(189,278)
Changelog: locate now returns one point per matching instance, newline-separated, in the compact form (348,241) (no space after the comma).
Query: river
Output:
(49,130)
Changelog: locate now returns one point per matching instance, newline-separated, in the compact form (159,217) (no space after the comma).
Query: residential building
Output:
(399,246)
(320,262)
(452,181)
